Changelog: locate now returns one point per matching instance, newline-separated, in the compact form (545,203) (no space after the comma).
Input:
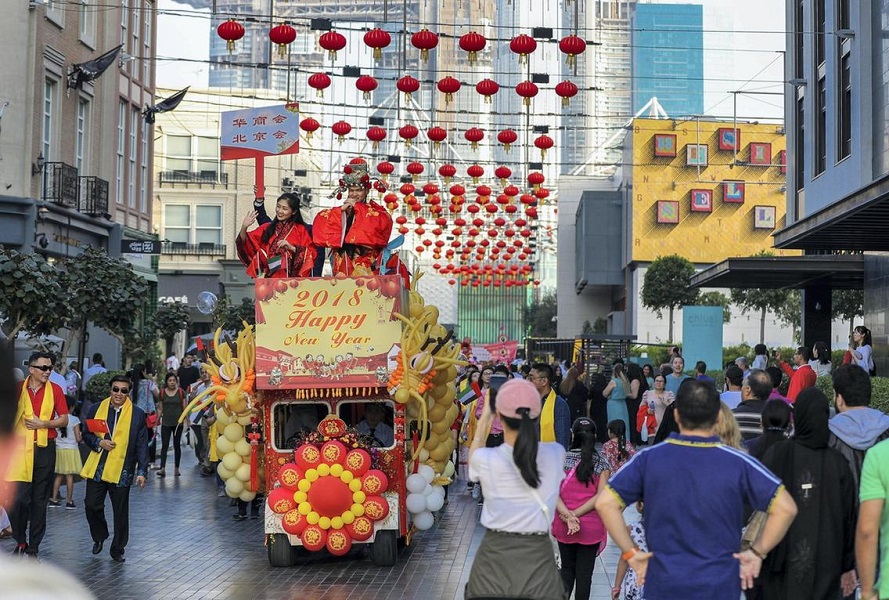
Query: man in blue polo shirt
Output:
(695,490)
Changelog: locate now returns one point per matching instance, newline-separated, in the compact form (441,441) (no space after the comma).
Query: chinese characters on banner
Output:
(258,132)
(326,332)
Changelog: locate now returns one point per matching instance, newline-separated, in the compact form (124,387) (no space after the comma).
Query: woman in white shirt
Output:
(521,480)
(862,349)
(820,362)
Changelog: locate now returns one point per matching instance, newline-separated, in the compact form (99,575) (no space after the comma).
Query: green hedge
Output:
(99,385)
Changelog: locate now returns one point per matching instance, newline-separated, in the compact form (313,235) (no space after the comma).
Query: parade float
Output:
(289,401)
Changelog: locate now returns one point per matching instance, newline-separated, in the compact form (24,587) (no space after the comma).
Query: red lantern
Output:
(483,191)
(377,39)
(566,90)
(526,90)
(474,135)
(376,135)
(231,31)
(473,43)
(536,179)
(407,189)
(282,35)
(424,40)
(572,46)
(408,133)
(319,81)
(542,194)
(475,172)
(385,169)
(332,41)
(510,191)
(408,85)
(309,125)
(341,129)
(507,137)
(502,173)
(437,135)
(487,88)
(449,86)
(523,45)
(544,142)
(430,189)
(447,171)
(366,84)
(415,169)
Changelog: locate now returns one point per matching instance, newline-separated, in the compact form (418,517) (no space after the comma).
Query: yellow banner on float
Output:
(326,332)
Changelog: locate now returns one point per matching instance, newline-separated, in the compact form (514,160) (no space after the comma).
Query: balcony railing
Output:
(60,184)
(201,249)
(200,178)
(93,196)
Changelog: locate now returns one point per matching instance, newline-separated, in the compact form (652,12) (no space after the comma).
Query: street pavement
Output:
(184,544)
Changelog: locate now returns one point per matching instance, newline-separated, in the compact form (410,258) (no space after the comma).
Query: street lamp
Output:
(37,168)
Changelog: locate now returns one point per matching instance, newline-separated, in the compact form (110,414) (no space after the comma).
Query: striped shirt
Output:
(749,416)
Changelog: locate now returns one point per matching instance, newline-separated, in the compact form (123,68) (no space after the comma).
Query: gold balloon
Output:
(233,432)
(242,447)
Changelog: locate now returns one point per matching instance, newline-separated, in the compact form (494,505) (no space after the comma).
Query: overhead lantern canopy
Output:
(231,31)
(424,40)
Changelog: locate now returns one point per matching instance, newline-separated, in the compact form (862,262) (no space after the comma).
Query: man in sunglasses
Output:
(42,408)
(117,435)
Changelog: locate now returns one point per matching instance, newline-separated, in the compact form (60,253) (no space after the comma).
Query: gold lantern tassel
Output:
(424,55)
(506,147)
(282,50)
(527,101)
(565,101)
(378,53)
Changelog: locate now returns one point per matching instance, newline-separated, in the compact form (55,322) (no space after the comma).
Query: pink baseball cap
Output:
(516,394)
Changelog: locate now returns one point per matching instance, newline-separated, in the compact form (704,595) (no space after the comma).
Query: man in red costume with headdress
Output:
(357,231)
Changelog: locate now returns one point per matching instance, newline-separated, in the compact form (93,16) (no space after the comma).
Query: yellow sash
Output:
(548,418)
(22,467)
(120,437)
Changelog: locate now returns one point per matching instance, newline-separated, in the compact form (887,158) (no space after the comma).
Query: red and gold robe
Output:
(357,240)
(257,255)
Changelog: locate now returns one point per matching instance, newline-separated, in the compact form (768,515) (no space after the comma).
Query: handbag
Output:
(753,529)
(151,420)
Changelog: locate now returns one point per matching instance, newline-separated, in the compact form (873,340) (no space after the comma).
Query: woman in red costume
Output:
(279,248)
(358,231)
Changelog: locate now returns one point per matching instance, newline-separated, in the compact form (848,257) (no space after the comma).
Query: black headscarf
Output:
(811,412)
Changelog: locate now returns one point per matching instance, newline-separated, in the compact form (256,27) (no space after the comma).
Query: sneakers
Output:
(476,491)
(55,503)
(221,493)
(70,506)
(162,473)
(239,517)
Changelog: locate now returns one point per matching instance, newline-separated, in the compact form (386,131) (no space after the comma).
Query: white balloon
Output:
(224,473)
(223,446)
(233,432)
(427,472)
(415,503)
(242,447)
(232,461)
(223,418)
(206,303)
(247,496)
(438,490)
(245,420)
(416,483)
(424,455)
(434,502)
(234,487)
(449,469)
(243,472)
(424,520)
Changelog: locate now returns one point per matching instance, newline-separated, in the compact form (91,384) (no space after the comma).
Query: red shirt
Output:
(804,377)
(59,401)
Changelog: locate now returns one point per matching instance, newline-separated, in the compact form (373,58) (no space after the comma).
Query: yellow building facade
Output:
(705,190)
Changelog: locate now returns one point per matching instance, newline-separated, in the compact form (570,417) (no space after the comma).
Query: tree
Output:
(29,291)
(762,300)
(169,320)
(667,285)
(540,316)
(717,299)
(601,325)
(104,290)
(790,312)
(847,305)
(231,316)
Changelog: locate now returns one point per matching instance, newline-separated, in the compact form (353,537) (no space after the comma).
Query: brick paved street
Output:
(184,544)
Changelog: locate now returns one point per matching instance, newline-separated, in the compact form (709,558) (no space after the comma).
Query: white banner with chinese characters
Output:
(257,132)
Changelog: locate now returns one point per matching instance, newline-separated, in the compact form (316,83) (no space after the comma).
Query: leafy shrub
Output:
(99,385)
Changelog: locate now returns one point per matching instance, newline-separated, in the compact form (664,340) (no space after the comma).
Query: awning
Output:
(858,222)
(779,272)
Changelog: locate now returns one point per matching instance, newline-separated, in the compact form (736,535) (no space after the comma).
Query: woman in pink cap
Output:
(521,480)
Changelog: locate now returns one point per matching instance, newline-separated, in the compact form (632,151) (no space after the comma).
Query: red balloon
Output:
(357,461)
(374,482)
(281,500)
(307,457)
(293,522)
(329,496)
(289,475)
(360,529)
(333,452)
(313,538)
(376,508)
(338,542)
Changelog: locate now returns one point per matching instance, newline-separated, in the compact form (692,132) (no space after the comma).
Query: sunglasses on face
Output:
(119,390)
(43,368)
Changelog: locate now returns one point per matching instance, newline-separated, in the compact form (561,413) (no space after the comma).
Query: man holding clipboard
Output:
(116,433)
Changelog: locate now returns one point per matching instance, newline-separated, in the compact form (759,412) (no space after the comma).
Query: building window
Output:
(146,52)
(50,88)
(844,81)
(178,153)
(121,141)
(177,222)
(207,156)
(819,8)
(81,134)
(193,155)
(134,128)
(799,28)
(799,161)
(124,23)
(143,202)
(88,22)
(821,124)
(55,12)
(208,224)
(201,224)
